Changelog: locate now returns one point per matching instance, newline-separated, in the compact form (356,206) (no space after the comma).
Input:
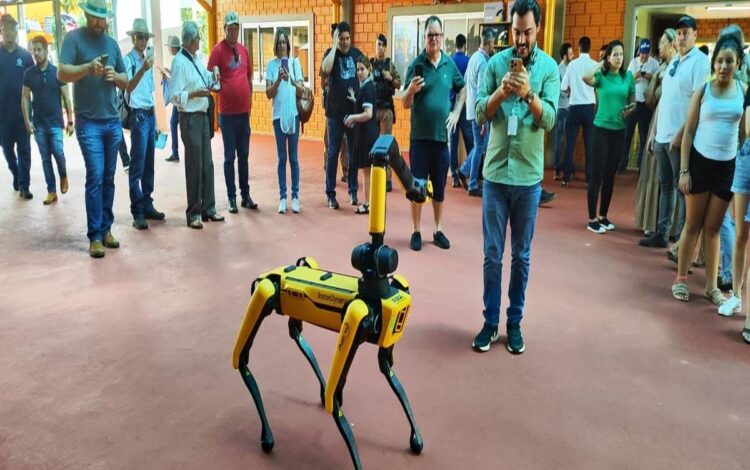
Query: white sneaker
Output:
(295,205)
(282,206)
(731,306)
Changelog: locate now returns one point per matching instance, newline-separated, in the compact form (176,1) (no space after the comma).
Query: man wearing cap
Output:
(14,60)
(387,81)
(173,42)
(685,74)
(643,68)
(142,126)
(235,103)
(92,59)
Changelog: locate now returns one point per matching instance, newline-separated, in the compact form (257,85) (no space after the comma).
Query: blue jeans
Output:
(174,123)
(50,143)
(15,135)
(141,174)
(502,204)
(561,129)
(336,131)
(282,141)
(726,246)
(99,140)
(235,132)
(464,127)
(669,177)
(580,116)
(473,161)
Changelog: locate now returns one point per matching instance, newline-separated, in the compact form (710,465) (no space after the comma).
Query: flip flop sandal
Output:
(716,297)
(681,292)
(746,335)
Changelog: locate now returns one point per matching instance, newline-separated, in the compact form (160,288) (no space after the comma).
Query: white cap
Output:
(231,18)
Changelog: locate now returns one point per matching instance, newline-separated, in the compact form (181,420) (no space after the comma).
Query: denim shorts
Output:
(741,182)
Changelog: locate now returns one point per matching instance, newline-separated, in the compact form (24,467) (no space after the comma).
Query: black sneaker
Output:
(604,222)
(476,192)
(25,194)
(485,338)
(333,203)
(462,179)
(515,340)
(441,240)
(654,241)
(173,158)
(248,203)
(140,223)
(153,214)
(596,227)
(233,205)
(416,241)
(456,183)
(547,197)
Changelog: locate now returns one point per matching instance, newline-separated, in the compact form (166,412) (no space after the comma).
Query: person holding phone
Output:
(284,81)
(615,93)
(520,107)
(643,68)
(431,77)
(92,59)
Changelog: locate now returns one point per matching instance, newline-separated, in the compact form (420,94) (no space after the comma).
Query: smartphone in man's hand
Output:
(419,70)
(516,65)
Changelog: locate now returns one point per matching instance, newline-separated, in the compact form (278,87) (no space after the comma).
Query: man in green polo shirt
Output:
(520,107)
(431,77)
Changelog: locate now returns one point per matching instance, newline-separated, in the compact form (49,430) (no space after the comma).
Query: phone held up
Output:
(516,64)
(285,63)
(419,70)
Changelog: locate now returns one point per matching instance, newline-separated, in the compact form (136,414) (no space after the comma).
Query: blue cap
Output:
(645,46)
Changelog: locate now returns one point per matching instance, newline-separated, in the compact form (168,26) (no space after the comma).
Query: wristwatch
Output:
(529,98)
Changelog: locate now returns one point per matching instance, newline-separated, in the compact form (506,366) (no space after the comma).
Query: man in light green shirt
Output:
(520,106)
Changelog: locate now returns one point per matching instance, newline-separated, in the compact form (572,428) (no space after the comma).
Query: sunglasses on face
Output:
(673,70)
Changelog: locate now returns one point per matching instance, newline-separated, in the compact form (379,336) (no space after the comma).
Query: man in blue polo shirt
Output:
(14,60)
(43,115)
(464,126)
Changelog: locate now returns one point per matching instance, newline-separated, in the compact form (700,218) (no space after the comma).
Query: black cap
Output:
(687,22)
(7,18)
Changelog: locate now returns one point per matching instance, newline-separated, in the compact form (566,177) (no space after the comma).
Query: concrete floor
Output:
(125,362)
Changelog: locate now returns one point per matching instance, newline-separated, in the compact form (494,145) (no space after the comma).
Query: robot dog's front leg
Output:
(295,332)
(261,305)
(385,359)
(350,337)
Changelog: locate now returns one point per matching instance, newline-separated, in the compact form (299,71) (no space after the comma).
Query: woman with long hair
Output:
(284,80)
(709,147)
(647,194)
(366,122)
(615,93)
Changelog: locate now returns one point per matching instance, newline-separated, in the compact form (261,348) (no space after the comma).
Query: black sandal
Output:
(363,209)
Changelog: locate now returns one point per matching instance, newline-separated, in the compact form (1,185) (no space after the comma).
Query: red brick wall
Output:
(369,18)
(710,28)
(602,21)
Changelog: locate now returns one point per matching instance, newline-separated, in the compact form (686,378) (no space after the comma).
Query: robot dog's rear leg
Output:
(295,332)
(261,305)
(385,359)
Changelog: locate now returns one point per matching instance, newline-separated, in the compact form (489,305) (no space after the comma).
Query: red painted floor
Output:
(125,362)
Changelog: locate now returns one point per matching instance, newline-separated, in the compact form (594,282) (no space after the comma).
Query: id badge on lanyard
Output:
(512,125)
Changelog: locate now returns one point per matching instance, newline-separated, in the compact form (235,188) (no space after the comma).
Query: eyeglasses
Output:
(140,36)
(434,35)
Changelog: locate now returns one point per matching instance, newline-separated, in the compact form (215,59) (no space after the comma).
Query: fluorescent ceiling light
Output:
(728,8)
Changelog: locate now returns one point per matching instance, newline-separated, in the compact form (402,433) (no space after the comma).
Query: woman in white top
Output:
(284,80)
(709,147)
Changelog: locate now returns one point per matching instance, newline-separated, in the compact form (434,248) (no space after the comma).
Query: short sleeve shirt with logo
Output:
(343,76)
(12,67)
(236,71)
(46,105)
(432,105)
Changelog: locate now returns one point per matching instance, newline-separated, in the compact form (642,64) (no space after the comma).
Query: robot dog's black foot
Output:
(385,359)
(266,436)
(346,432)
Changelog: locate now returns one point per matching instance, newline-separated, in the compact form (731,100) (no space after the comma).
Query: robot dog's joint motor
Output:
(372,308)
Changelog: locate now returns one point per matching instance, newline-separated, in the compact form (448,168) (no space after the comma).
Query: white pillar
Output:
(154,7)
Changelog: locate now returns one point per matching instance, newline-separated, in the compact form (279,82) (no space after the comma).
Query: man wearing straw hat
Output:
(142,126)
(92,59)
(173,43)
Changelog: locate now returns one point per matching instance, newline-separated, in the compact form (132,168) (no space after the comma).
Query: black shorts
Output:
(429,159)
(711,176)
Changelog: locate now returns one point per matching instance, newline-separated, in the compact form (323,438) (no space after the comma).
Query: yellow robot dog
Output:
(372,308)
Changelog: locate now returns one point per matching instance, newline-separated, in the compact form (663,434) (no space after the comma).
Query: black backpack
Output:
(123,104)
